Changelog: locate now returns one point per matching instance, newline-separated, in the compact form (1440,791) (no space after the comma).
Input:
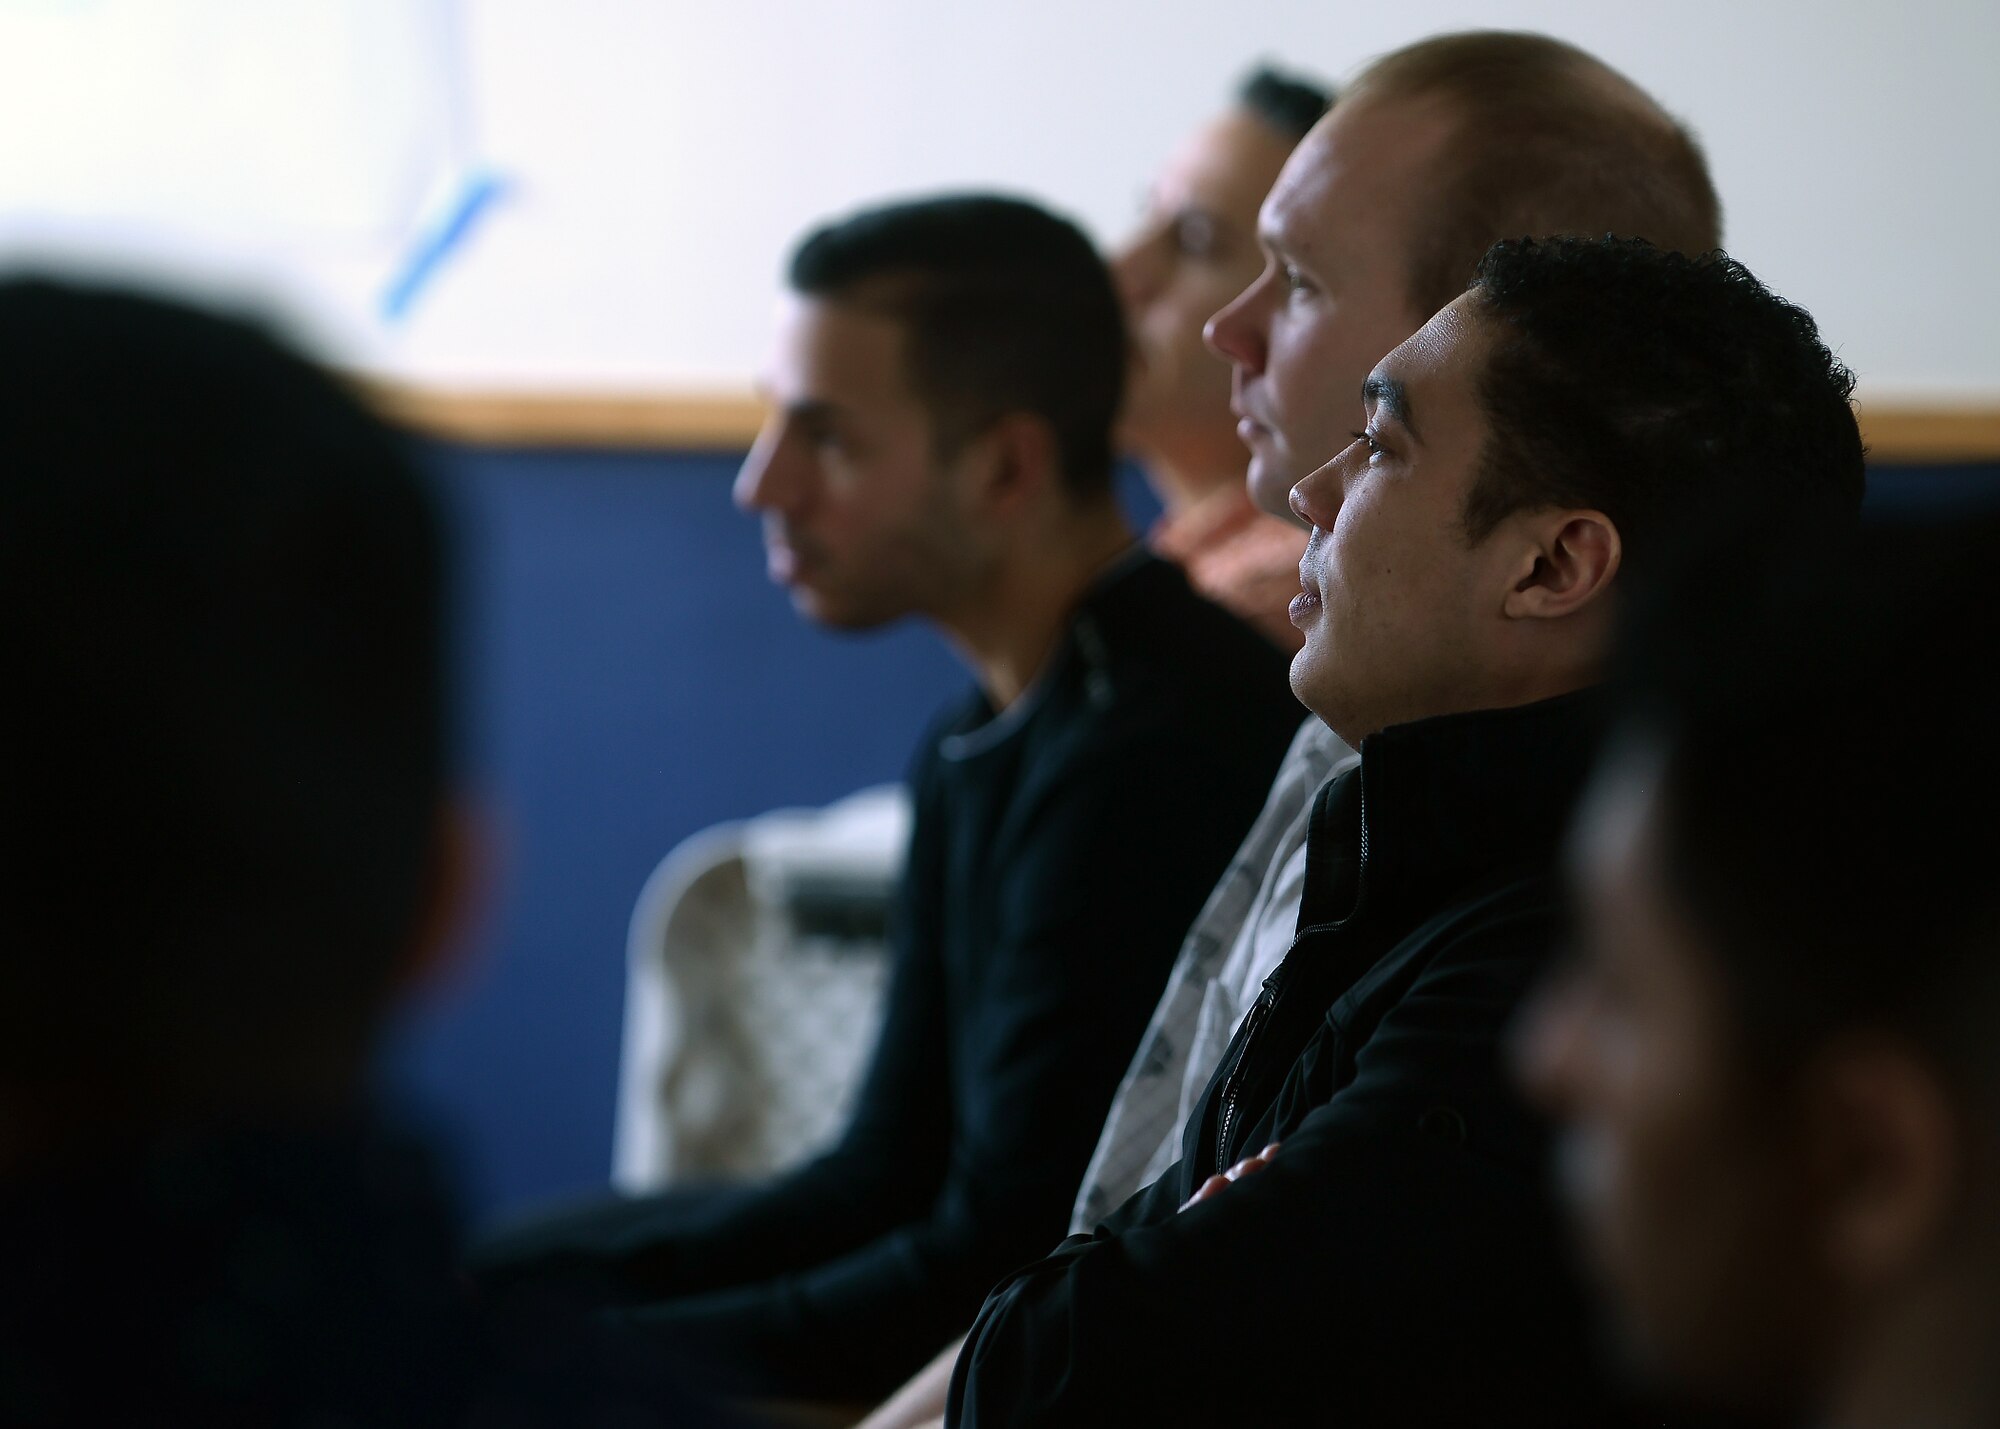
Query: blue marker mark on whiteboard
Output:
(439,241)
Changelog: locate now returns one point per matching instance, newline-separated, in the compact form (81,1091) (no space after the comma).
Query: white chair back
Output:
(755,975)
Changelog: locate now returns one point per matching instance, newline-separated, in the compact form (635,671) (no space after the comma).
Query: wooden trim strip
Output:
(688,421)
(1897,431)
(1921,433)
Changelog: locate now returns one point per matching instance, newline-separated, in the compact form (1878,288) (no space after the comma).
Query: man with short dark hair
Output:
(1195,249)
(230,844)
(943,390)
(1359,1227)
(1774,1053)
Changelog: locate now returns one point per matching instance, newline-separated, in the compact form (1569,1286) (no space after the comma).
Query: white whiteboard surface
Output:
(661,156)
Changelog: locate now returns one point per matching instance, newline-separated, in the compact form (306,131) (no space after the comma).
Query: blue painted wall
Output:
(630,678)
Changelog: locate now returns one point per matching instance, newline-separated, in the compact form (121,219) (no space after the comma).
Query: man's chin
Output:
(1310,684)
(828,610)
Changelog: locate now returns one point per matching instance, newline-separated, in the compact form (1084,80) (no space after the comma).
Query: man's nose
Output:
(1316,498)
(1237,332)
(763,481)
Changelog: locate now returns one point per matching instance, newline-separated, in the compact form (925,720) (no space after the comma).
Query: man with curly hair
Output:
(1376,221)
(1360,1225)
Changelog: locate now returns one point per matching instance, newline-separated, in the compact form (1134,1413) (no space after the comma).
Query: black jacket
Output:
(1040,913)
(1401,1260)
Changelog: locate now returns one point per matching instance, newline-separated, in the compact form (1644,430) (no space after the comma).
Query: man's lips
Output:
(781,562)
(1250,428)
(1306,603)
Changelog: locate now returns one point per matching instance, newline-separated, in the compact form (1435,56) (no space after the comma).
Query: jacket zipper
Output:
(1274,986)
(1232,1088)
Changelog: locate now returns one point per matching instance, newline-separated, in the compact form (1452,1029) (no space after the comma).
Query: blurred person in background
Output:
(1775,1053)
(944,385)
(1194,251)
(232,843)
(1361,1224)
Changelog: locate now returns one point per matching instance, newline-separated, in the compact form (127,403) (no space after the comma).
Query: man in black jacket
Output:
(944,386)
(1359,1228)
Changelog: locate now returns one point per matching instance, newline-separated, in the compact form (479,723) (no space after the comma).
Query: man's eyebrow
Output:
(1278,248)
(811,409)
(1392,397)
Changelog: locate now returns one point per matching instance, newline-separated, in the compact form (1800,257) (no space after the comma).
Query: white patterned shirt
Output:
(1238,938)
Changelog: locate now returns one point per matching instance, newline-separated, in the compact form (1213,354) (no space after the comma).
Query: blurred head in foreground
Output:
(225,733)
(1776,1053)
(943,387)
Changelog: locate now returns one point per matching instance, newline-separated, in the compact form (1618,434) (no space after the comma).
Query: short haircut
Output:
(224,738)
(1546,139)
(1655,387)
(1820,718)
(1007,308)
(1289,103)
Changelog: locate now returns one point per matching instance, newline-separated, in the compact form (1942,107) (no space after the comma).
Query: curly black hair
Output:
(1656,387)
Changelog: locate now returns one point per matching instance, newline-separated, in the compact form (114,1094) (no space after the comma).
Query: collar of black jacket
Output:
(1439,802)
(1112,608)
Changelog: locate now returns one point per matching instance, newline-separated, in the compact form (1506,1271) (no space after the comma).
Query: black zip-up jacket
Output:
(1059,852)
(1401,1261)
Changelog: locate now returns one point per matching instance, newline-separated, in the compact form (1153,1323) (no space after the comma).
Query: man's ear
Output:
(457,877)
(1019,461)
(1885,1158)
(1564,560)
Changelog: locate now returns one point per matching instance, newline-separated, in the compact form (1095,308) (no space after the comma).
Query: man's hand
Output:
(1213,1185)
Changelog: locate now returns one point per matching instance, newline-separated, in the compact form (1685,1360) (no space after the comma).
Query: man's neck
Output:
(1006,632)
